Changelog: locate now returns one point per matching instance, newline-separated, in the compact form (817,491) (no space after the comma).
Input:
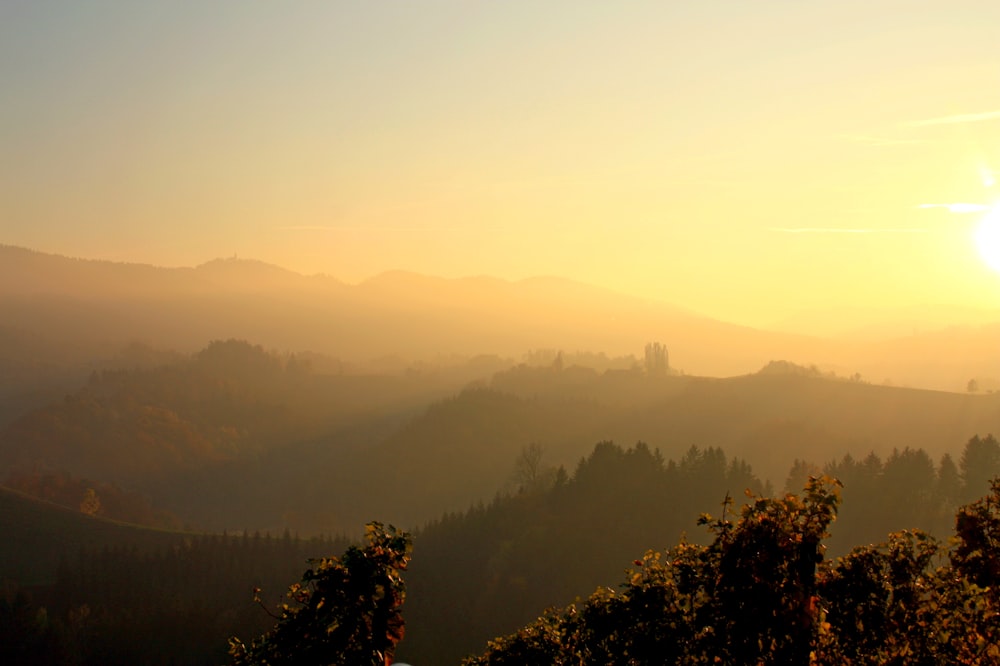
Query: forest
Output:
(483,572)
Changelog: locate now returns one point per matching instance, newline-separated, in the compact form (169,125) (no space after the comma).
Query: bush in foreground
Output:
(346,610)
(762,593)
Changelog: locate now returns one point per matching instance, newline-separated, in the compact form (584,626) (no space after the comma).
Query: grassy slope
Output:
(37,534)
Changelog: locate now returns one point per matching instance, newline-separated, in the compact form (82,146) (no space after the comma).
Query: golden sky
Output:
(745,159)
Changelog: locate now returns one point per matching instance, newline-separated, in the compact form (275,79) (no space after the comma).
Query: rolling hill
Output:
(91,306)
(39,535)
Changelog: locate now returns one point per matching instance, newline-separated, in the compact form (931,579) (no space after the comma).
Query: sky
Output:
(748,160)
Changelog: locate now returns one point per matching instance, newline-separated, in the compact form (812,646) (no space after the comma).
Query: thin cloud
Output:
(957,207)
(307,227)
(957,119)
(841,230)
(879,141)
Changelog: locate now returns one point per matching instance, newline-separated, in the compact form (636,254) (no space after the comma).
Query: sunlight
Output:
(987,238)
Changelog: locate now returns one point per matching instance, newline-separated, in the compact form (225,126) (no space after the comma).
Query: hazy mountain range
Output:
(237,396)
(60,305)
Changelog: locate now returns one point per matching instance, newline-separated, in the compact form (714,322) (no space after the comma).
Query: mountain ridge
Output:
(417,317)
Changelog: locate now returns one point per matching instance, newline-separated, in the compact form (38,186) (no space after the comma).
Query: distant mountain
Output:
(398,313)
(93,304)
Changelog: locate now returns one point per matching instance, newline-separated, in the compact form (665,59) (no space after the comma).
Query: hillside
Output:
(475,573)
(236,437)
(90,306)
(770,420)
(38,535)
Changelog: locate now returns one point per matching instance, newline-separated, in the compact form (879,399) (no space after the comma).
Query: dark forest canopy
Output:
(475,574)
(762,592)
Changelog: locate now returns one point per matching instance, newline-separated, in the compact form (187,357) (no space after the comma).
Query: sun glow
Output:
(988,238)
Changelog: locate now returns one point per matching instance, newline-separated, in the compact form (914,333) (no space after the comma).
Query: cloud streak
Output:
(957,207)
(879,141)
(307,227)
(841,230)
(957,119)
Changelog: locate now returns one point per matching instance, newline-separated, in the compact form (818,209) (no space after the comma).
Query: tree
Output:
(799,474)
(529,474)
(761,593)
(977,528)
(979,463)
(91,503)
(346,611)
(748,597)
(949,481)
(657,361)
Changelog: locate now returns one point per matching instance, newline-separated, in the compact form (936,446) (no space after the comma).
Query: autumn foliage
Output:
(346,610)
(762,593)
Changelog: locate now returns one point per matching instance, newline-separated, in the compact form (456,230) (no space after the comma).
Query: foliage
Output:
(977,528)
(345,611)
(897,603)
(741,594)
(747,597)
(761,593)
(490,569)
(980,462)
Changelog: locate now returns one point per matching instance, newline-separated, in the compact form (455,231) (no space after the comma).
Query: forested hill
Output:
(39,535)
(164,423)
(559,535)
(77,589)
(556,535)
(224,439)
(469,441)
(771,417)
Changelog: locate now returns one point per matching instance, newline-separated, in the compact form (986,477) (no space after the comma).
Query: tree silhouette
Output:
(346,611)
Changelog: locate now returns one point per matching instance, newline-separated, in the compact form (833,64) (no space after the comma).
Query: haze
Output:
(799,165)
(540,283)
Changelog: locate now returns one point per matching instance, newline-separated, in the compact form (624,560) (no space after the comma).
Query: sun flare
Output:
(988,238)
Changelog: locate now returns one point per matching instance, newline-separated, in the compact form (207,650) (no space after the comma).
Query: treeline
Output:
(476,573)
(172,606)
(492,568)
(220,438)
(905,490)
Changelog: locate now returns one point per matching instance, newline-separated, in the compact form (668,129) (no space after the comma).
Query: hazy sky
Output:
(745,159)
